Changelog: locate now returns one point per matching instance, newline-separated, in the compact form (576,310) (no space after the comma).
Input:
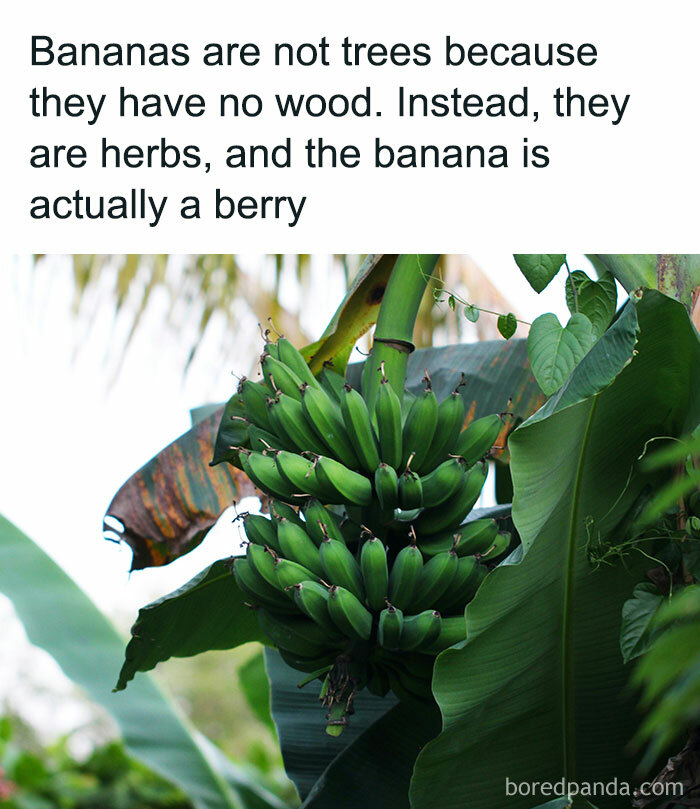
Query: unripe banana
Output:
(359,428)
(279,510)
(476,441)
(348,614)
(341,567)
(261,531)
(435,579)
(375,572)
(410,490)
(289,573)
(386,484)
(351,531)
(473,537)
(348,486)
(262,470)
(442,482)
(331,382)
(254,396)
(321,522)
(280,378)
(324,417)
(257,590)
(407,401)
(262,441)
(262,561)
(294,633)
(298,546)
(420,631)
(294,360)
(307,664)
(452,630)
(449,515)
(388,415)
(269,349)
(312,599)
(389,630)
(404,576)
(408,688)
(462,587)
(299,473)
(378,681)
(450,420)
(287,417)
(500,545)
(419,428)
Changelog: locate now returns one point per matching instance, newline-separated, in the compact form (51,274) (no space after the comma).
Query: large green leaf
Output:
(597,300)
(636,632)
(61,619)
(252,678)
(555,350)
(208,612)
(539,269)
(168,506)
(537,692)
(300,721)
(356,314)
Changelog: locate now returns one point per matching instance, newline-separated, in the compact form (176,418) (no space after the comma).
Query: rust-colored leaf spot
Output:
(167,507)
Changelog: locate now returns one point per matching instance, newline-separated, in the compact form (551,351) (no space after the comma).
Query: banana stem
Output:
(393,337)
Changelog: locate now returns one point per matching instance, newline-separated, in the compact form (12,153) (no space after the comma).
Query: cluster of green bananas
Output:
(361,574)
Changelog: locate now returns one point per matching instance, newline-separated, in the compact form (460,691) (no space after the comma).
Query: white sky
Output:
(72,433)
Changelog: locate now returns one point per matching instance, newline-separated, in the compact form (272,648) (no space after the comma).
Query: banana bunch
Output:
(361,573)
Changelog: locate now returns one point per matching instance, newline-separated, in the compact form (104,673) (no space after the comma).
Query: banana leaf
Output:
(538,690)
(61,619)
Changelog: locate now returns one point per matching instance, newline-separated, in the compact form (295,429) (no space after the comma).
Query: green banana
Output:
(287,417)
(262,470)
(278,510)
(344,485)
(388,415)
(407,401)
(280,378)
(254,396)
(325,419)
(262,441)
(463,586)
(419,631)
(307,664)
(408,688)
(261,531)
(378,681)
(375,572)
(255,588)
(294,633)
(294,360)
(452,630)
(434,580)
(389,629)
(410,490)
(289,573)
(473,537)
(359,428)
(321,522)
(386,484)
(299,473)
(440,484)
(349,614)
(419,428)
(500,545)
(263,563)
(478,438)
(312,599)
(331,382)
(404,576)
(269,349)
(450,515)
(341,567)
(298,546)
(450,420)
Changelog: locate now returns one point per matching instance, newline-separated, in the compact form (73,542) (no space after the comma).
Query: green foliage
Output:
(36,777)
(205,613)
(539,269)
(543,630)
(597,300)
(507,324)
(555,350)
(637,632)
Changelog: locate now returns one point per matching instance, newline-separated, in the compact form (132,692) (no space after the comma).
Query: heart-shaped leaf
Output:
(636,632)
(595,299)
(507,324)
(471,312)
(539,269)
(555,350)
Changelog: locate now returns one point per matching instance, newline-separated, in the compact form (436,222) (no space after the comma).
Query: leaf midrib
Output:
(567,652)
